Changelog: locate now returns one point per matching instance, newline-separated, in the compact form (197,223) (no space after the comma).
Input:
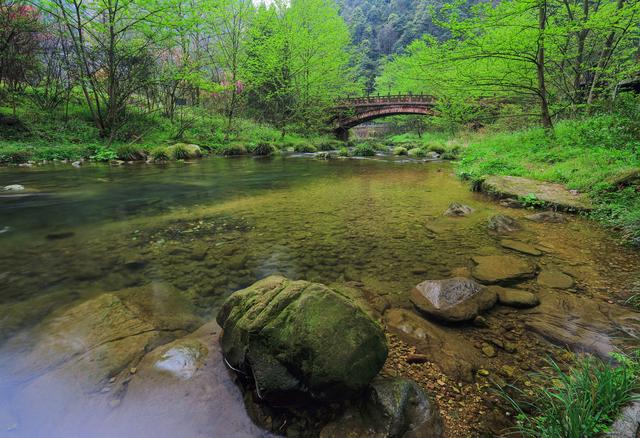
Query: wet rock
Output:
(98,338)
(501,269)
(76,164)
(182,360)
(515,297)
(456,209)
(307,341)
(199,251)
(511,203)
(455,299)
(502,224)
(521,247)
(547,216)
(580,323)
(393,407)
(13,188)
(61,235)
(488,350)
(551,194)
(134,263)
(450,349)
(555,279)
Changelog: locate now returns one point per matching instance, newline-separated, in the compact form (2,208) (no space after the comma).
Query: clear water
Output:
(216,225)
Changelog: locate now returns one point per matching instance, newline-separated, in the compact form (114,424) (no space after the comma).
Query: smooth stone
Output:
(449,348)
(627,424)
(457,210)
(555,279)
(522,247)
(454,300)
(501,269)
(502,224)
(392,407)
(515,298)
(547,216)
(13,188)
(182,360)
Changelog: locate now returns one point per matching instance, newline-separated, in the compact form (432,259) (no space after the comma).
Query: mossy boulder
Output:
(399,150)
(300,341)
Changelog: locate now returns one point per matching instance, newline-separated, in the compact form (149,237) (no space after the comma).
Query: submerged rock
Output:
(547,216)
(455,299)
(502,224)
(456,209)
(522,247)
(502,269)
(515,297)
(300,341)
(555,279)
(394,407)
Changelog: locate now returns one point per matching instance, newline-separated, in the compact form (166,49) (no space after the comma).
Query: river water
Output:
(210,227)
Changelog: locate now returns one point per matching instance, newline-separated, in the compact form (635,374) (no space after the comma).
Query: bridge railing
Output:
(389,98)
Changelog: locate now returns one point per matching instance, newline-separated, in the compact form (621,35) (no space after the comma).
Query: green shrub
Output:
(417,152)
(437,148)
(343,152)
(233,149)
(180,152)
(364,150)
(15,155)
(305,147)
(160,154)
(102,153)
(129,152)
(582,402)
(399,150)
(264,148)
(330,145)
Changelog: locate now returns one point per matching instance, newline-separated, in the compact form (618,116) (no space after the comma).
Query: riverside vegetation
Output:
(528,306)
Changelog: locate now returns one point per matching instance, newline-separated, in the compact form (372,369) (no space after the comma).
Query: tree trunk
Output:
(540,64)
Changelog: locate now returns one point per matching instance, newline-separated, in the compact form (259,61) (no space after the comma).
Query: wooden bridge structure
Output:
(353,111)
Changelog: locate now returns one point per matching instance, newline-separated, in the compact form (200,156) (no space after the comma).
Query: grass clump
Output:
(305,147)
(400,150)
(233,149)
(329,145)
(264,149)
(364,149)
(160,155)
(582,402)
(129,152)
(344,152)
(417,152)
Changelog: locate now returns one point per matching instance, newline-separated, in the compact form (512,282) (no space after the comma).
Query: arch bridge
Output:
(351,112)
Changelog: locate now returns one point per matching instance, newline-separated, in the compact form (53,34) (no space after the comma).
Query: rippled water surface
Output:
(211,227)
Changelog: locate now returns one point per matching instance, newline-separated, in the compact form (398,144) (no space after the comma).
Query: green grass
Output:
(585,155)
(579,403)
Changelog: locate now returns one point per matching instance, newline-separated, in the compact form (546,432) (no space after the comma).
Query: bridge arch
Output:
(354,111)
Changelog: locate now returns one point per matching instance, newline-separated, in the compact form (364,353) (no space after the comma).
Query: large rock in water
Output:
(394,408)
(300,341)
(455,299)
(501,269)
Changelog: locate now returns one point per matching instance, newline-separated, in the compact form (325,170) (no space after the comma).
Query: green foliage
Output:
(103,153)
(305,147)
(364,149)
(417,152)
(344,152)
(232,149)
(531,201)
(263,148)
(329,145)
(400,150)
(14,154)
(160,154)
(180,152)
(582,402)
(130,152)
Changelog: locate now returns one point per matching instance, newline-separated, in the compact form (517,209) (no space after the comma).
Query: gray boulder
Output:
(455,299)
(456,209)
(502,224)
(300,341)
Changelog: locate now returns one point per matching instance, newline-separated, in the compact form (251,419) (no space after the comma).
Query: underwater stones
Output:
(515,297)
(393,407)
(60,235)
(502,224)
(455,299)
(199,251)
(182,359)
(501,269)
(521,247)
(457,210)
(547,216)
(555,279)
(307,341)
(13,188)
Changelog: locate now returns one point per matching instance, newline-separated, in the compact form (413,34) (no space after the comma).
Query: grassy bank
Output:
(70,134)
(599,155)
